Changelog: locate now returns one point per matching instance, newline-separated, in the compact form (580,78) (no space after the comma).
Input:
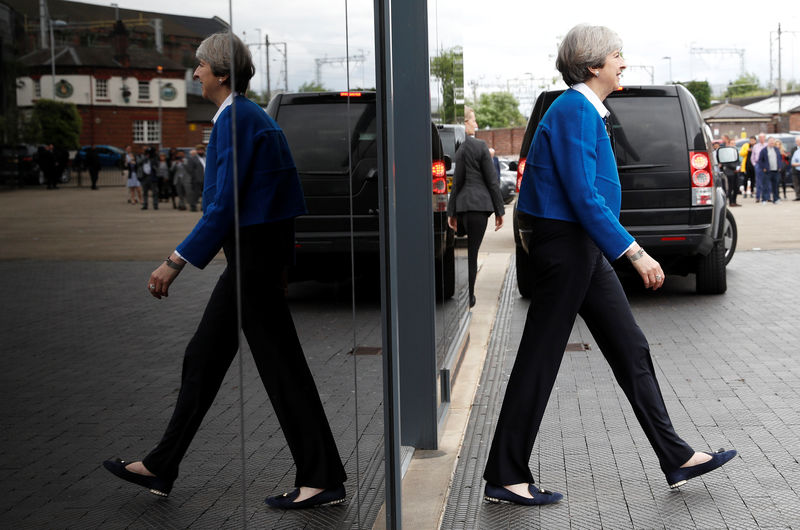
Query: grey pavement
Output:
(729,369)
(91,370)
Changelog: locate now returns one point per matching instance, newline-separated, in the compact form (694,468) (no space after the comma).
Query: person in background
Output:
(195,167)
(269,199)
(755,151)
(731,174)
(149,178)
(47,163)
(747,168)
(133,184)
(796,168)
(180,178)
(474,197)
(495,162)
(93,165)
(769,164)
(783,173)
(162,173)
(570,202)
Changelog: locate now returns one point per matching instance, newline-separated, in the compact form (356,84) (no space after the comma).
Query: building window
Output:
(145,132)
(144,89)
(101,88)
(37,88)
(206,134)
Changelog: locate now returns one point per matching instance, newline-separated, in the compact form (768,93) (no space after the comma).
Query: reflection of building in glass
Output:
(106,63)
(447,67)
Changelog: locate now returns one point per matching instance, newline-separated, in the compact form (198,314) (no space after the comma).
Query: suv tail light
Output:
(439,175)
(350,94)
(702,181)
(520,171)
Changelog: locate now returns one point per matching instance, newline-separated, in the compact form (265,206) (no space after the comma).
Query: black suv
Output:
(673,200)
(339,173)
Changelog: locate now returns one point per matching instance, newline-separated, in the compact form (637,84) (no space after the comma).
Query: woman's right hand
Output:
(452,223)
(649,269)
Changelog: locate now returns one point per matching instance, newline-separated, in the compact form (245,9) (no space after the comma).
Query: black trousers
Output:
(475,228)
(571,276)
(270,332)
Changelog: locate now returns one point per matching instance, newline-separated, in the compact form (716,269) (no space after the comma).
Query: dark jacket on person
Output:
(475,184)
(763,159)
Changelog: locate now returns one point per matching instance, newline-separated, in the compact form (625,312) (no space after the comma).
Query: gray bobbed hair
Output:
(216,51)
(585,47)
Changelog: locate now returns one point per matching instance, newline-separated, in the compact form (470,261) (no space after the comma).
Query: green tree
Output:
(448,68)
(57,123)
(701,91)
(498,109)
(312,86)
(744,85)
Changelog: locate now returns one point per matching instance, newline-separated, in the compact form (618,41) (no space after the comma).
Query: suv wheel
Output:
(729,235)
(711,277)
(524,280)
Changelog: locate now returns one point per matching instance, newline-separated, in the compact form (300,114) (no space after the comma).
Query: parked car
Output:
(673,201)
(109,156)
(19,165)
(508,181)
(338,170)
(452,136)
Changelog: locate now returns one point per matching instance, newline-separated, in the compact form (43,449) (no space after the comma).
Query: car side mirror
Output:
(512,166)
(448,162)
(727,154)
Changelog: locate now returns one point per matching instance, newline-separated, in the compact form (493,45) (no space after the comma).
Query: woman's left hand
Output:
(452,223)
(498,222)
(161,279)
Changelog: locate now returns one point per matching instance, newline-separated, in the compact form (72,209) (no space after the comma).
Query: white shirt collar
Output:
(592,97)
(225,104)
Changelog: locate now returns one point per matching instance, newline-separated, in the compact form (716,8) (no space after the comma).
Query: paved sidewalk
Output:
(729,369)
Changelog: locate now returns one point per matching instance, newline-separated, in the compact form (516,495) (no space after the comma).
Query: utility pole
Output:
(780,89)
(266,41)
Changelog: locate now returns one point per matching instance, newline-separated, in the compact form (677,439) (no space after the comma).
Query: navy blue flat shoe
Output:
(156,485)
(679,476)
(500,495)
(326,497)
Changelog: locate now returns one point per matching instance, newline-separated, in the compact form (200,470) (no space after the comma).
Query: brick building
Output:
(506,141)
(107,63)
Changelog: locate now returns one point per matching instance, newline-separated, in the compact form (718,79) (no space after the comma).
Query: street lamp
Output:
(160,70)
(668,58)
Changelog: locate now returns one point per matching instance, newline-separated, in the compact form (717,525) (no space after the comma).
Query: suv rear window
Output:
(318,135)
(646,129)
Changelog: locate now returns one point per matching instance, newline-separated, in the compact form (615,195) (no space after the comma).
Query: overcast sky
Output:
(509,42)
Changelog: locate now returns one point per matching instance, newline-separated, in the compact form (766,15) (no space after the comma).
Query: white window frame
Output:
(146,132)
(206,135)
(101,88)
(37,88)
(144,90)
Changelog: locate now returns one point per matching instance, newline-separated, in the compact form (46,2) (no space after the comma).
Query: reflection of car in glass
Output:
(19,165)
(508,180)
(109,156)
(673,201)
(452,137)
(333,140)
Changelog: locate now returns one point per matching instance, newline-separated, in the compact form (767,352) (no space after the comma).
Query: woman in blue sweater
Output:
(570,198)
(269,198)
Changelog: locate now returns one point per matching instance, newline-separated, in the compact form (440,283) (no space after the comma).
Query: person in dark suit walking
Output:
(569,204)
(93,165)
(195,169)
(474,197)
(269,199)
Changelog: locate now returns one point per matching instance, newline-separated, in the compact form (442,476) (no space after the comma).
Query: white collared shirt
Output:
(225,104)
(592,97)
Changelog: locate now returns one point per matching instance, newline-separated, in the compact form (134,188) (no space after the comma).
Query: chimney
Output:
(119,44)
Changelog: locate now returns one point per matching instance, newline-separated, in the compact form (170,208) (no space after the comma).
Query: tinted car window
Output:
(640,135)
(319,137)
(448,137)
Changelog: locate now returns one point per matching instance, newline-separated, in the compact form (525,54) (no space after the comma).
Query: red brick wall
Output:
(506,142)
(114,126)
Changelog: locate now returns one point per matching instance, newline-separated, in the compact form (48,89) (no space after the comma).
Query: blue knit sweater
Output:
(269,187)
(571,174)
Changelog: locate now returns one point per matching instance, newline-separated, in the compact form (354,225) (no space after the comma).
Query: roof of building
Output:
(100,56)
(770,105)
(729,111)
(79,13)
